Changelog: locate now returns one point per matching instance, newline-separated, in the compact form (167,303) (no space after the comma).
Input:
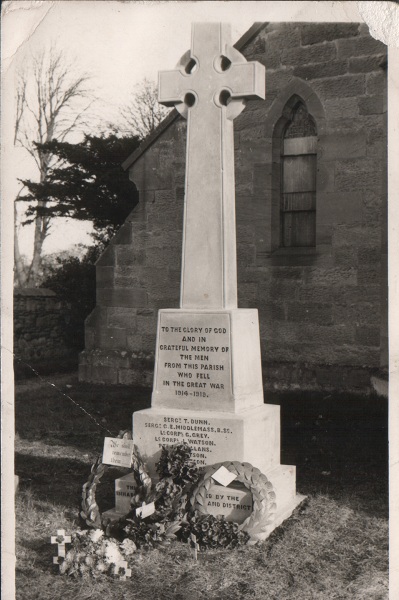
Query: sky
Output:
(118,44)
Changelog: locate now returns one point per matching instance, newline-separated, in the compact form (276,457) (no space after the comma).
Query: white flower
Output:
(128,546)
(96,535)
(112,554)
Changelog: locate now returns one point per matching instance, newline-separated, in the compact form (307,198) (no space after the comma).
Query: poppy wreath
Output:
(258,523)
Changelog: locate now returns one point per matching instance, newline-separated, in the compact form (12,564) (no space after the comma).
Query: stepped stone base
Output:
(250,436)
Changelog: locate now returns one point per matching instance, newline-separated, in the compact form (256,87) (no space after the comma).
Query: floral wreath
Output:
(263,496)
(90,510)
(179,513)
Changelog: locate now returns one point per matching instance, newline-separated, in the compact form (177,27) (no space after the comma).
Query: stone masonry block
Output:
(360,46)
(287,274)
(167,301)
(325,176)
(349,181)
(358,165)
(140,343)
(136,275)
(271,59)
(341,108)
(369,274)
(145,312)
(246,253)
(318,53)
(97,317)
(326,377)
(345,256)
(130,255)
(157,238)
(107,258)
(339,208)
(133,298)
(107,358)
(319,70)
(372,105)
(84,371)
(334,335)
(369,255)
(339,146)
(252,133)
(309,313)
(102,374)
(377,150)
(357,378)
(376,83)
(147,324)
(119,317)
(353,294)
(158,290)
(124,235)
(164,256)
(248,295)
(355,235)
(366,64)
(285,35)
(104,276)
(246,119)
(314,33)
(360,313)
(364,29)
(343,86)
(90,338)
(332,276)
(111,338)
(139,376)
(277,291)
(368,336)
(314,294)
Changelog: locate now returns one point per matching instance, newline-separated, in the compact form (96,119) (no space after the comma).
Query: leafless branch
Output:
(51,102)
(143,113)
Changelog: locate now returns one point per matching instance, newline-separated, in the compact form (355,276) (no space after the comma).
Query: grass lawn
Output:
(335,546)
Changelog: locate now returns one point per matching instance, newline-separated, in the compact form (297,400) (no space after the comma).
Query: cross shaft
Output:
(209,88)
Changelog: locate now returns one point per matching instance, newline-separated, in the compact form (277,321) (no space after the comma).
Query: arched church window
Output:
(298,180)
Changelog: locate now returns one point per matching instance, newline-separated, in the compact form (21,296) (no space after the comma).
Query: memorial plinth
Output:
(208,387)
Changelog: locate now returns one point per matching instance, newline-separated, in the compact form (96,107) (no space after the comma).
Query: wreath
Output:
(263,497)
(90,510)
(178,474)
(179,501)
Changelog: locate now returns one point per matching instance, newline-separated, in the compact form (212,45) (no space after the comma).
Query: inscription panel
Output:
(234,503)
(125,490)
(211,439)
(193,360)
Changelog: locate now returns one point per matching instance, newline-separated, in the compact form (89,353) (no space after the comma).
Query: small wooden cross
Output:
(192,541)
(61,539)
(126,571)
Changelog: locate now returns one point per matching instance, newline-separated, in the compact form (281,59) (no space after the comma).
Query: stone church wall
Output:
(323,309)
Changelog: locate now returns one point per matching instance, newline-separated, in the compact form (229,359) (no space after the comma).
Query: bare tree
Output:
(51,102)
(143,113)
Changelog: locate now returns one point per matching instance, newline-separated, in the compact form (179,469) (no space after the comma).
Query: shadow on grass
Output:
(75,414)
(339,443)
(59,481)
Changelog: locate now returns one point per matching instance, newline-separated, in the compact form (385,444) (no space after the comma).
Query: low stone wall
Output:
(39,328)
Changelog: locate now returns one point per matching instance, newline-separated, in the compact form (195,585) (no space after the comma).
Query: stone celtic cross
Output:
(209,88)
